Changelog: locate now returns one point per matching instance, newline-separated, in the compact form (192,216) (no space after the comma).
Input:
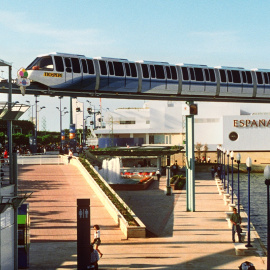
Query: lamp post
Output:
(248,163)
(228,175)
(62,113)
(238,159)
(223,168)
(92,112)
(232,158)
(267,182)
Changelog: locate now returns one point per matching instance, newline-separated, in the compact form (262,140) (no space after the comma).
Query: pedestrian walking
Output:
(236,220)
(70,155)
(97,240)
(158,174)
(213,172)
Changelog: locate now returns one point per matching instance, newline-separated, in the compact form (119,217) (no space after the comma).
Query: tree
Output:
(198,147)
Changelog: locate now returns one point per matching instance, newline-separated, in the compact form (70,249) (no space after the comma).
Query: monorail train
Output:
(71,72)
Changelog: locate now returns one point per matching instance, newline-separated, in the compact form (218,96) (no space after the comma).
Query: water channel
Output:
(258,200)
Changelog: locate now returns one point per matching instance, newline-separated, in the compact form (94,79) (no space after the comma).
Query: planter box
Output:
(137,186)
(129,231)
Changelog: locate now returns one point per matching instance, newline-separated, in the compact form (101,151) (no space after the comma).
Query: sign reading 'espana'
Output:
(50,74)
(251,123)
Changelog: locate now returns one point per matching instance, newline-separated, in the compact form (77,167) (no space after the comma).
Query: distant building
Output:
(237,127)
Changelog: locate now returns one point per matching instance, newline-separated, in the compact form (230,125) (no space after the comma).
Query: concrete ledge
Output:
(129,231)
(240,248)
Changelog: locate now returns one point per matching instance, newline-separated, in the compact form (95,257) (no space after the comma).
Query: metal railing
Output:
(42,160)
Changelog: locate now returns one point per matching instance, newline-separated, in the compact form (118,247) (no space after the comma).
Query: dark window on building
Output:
(222,75)
(76,65)
(84,66)
(249,77)
(233,136)
(160,72)
(127,122)
(192,74)
(133,70)
(90,64)
(244,77)
(174,73)
(168,71)
(103,68)
(185,73)
(212,75)
(266,80)
(207,76)
(111,70)
(118,69)
(152,71)
(199,74)
(127,69)
(259,77)
(145,71)
(229,73)
(59,63)
(68,65)
(236,76)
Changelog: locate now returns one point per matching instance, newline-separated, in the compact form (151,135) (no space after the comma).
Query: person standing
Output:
(97,240)
(94,257)
(236,220)
(158,174)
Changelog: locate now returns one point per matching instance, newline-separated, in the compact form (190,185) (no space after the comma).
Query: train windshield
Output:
(41,63)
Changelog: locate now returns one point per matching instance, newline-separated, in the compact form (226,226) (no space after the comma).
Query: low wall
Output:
(132,187)
(129,231)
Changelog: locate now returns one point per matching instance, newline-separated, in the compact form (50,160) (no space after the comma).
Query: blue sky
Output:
(228,33)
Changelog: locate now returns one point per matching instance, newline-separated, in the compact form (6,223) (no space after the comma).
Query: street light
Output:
(267,182)
(223,167)
(62,113)
(92,112)
(228,175)
(248,163)
(232,158)
(238,159)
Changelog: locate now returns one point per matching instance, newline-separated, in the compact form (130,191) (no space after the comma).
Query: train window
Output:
(192,74)
(236,76)
(259,77)
(59,63)
(84,66)
(265,75)
(118,68)
(152,71)
(90,65)
(222,75)
(133,70)
(168,71)
(127,69)
(199,74)
(160,72)
(207,76)
(145,71)
(212,75)
(174,73)
(76,65)
(111,69)
(229,74)
(68,65)
(103,68)
(244,76)
(249,78)
(185,73)
(46,63)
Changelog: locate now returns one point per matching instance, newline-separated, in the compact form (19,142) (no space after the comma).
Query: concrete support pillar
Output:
(190,163)
(146,138)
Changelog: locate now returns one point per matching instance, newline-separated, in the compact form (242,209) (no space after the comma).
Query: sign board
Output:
(83,233)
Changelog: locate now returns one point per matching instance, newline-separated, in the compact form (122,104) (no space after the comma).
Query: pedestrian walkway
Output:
(176,239)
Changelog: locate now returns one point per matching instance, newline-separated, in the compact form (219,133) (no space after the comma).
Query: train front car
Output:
(65,72)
